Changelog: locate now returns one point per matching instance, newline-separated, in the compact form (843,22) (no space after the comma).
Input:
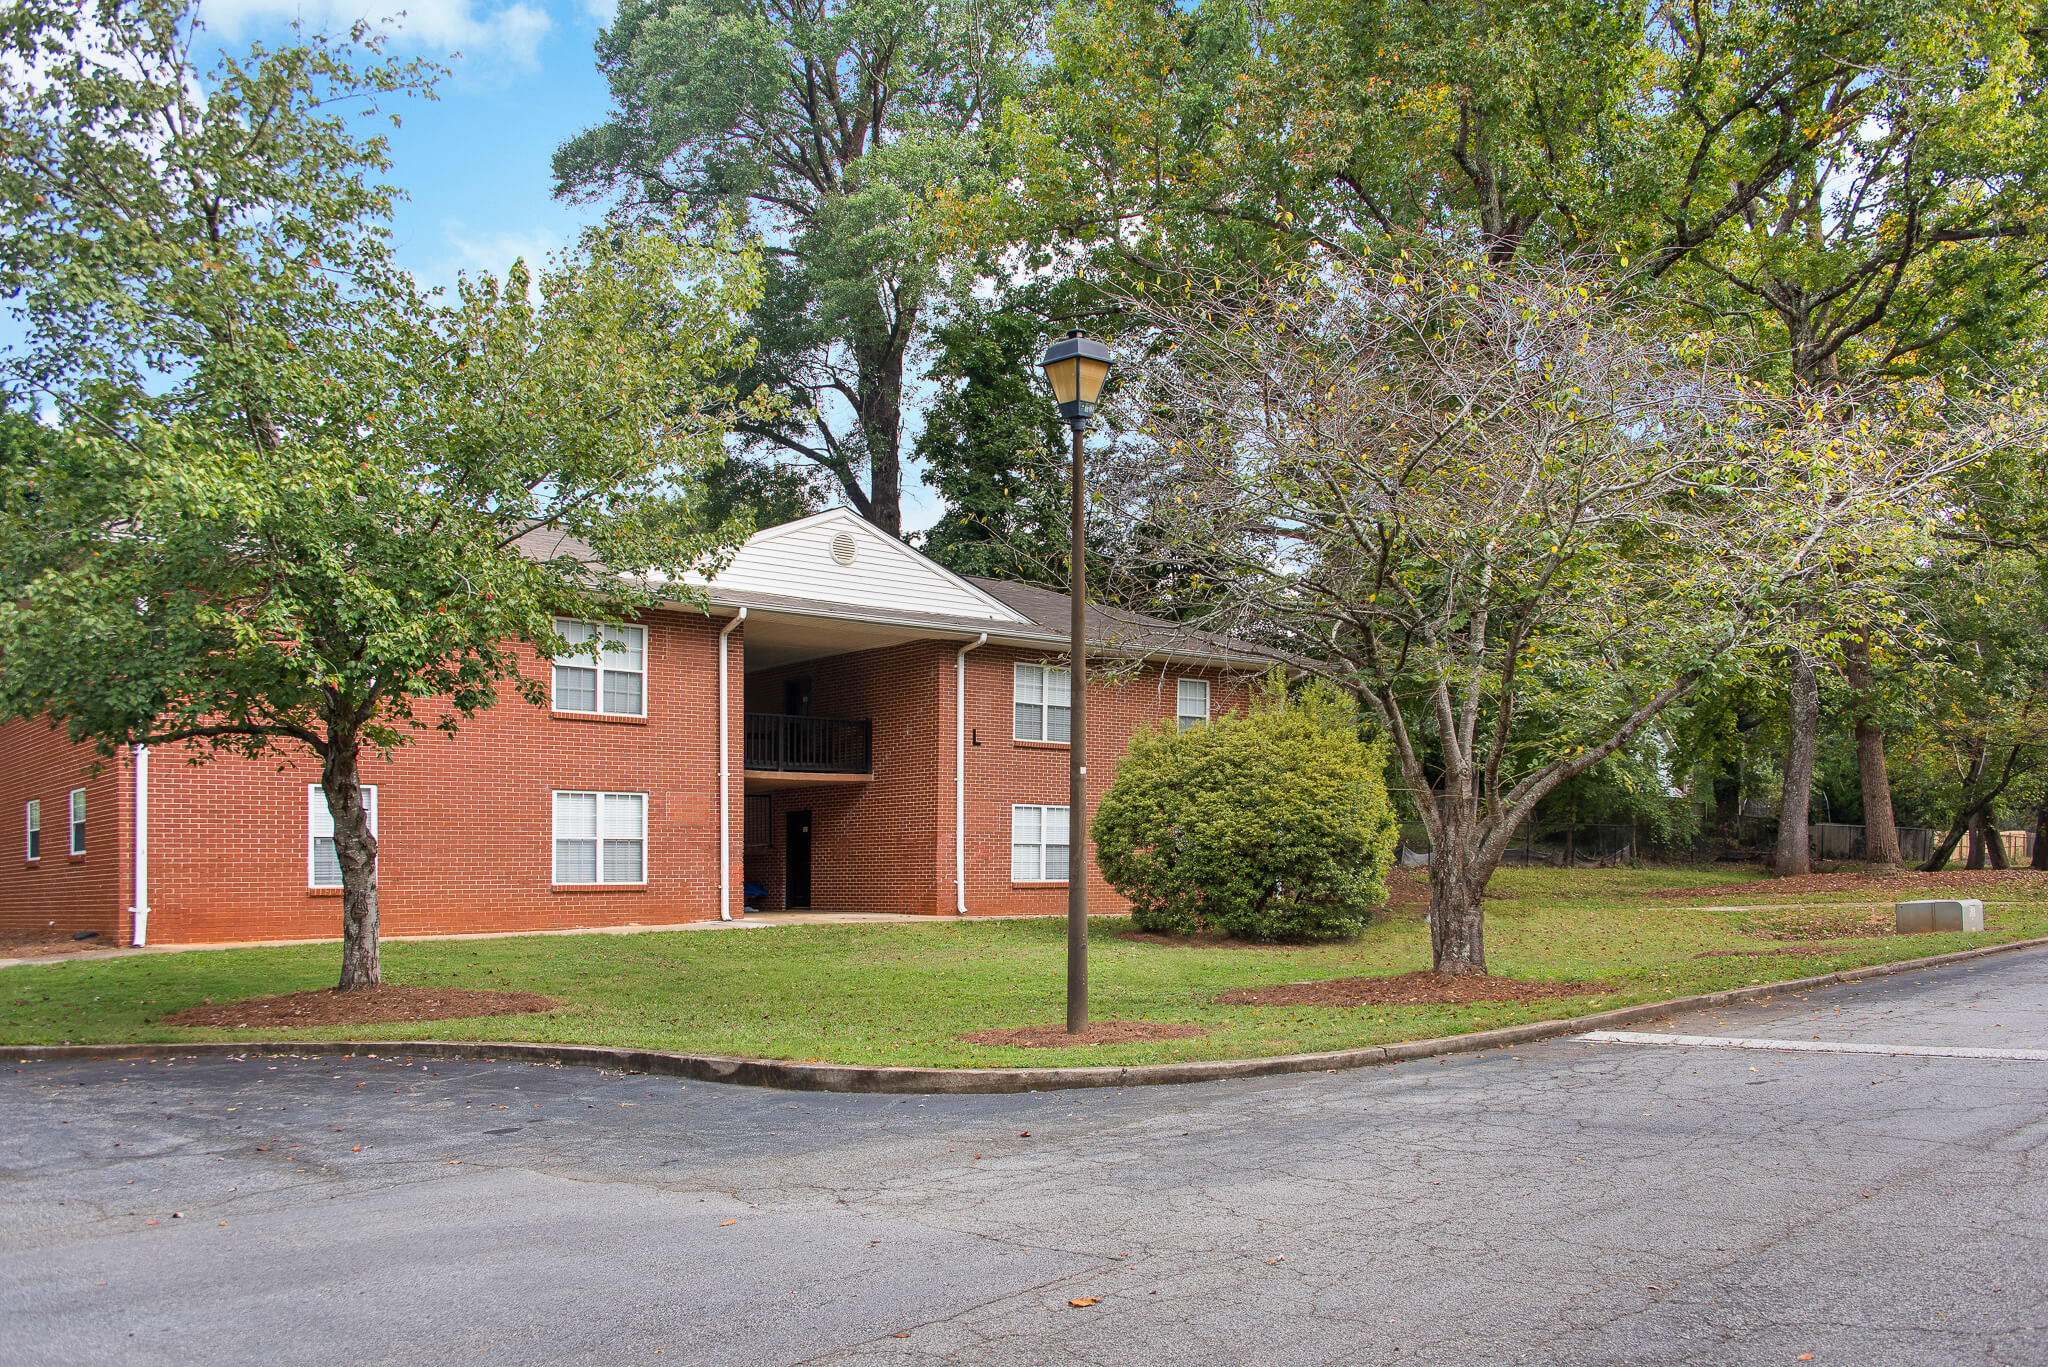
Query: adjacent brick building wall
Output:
(61,893)
(465,824)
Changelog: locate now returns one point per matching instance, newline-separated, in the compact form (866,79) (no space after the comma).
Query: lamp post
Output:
(1077,366)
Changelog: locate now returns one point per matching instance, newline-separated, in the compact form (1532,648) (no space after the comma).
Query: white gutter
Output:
(960,773)
(141,907)
(725,772)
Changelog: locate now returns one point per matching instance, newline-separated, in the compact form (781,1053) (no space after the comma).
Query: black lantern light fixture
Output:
(1076,366)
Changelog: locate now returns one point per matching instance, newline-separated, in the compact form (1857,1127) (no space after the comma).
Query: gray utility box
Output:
(1957,913)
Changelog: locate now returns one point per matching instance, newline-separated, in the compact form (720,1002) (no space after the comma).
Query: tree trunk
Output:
(1880,827)
(355,847)
(1792,855)
(1994,841)
(1938,861)
(2041,835)
(1976,859)
(1457,922)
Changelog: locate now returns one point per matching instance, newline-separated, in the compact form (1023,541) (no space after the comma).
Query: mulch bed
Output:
(1407,989)
(366,1006)
(1098,1032)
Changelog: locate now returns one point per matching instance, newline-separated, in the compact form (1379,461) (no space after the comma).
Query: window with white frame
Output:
(34,840)
(1191,703)
(323,864)
(1044,703)
(600,837)
(78,821)
(613,681)
(1038,844)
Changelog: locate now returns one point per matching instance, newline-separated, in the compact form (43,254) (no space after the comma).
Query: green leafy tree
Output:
(995,450)
(825,124)
(1466,493)
(1271,826)
(290,506)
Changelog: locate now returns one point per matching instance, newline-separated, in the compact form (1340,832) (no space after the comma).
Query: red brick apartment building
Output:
(849,727)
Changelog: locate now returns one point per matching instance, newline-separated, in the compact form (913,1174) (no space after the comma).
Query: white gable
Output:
(839,557)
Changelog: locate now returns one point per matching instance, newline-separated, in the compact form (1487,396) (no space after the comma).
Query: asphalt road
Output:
(1640,1204)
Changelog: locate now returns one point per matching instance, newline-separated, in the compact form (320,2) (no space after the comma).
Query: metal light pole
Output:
(1076,366)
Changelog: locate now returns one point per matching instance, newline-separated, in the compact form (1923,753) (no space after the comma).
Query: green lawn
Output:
(902,994)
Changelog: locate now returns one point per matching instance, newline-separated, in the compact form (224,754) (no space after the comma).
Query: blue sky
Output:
(475,164)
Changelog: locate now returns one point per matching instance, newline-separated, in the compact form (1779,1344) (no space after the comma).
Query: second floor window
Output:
(1044,698)
(614,682)
(1191,703)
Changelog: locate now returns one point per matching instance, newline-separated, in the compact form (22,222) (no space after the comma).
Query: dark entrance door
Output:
(796,862)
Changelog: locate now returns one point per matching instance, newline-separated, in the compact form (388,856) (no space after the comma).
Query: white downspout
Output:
(141,907)
(960,774)
(725,773)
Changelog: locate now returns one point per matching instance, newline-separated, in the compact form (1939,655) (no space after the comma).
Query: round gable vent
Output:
(842,548)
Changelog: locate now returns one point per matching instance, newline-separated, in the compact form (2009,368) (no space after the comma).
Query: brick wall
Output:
(465,823)
(1002,771)
(888,847)
(61,893)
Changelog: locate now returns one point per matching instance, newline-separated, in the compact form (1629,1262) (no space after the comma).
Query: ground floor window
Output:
(1038,844)
(35,829)
(78,821)
(323,865)
(600,837)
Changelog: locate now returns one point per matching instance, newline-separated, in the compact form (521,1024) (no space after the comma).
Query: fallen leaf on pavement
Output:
(1082,1300)
(723,1223)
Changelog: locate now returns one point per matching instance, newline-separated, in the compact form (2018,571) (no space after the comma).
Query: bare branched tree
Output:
(1467,494)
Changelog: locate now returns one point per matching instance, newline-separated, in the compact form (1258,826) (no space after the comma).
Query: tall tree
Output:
(824,123)
(1466,490)
(994,449)
(295,508)
(1856,184)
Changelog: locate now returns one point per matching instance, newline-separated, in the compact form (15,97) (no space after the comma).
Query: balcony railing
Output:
(808,745)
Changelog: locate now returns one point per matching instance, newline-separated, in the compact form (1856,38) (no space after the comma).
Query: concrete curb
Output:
(845,1077)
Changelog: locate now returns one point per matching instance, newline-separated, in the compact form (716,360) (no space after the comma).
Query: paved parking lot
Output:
(1624,1203)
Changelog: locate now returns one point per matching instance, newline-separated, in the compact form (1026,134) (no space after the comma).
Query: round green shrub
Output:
(1272,826)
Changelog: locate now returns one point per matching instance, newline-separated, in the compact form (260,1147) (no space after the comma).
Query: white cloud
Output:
(601,12)
(512,32)
(492,252)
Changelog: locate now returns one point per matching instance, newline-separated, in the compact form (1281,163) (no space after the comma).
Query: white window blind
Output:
(323,865)
(614,683)
(78,821)
(1038,844)
(1191,703)
(34,840)
(1043,702)
(600,837)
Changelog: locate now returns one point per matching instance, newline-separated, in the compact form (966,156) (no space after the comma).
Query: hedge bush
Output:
(1272,826)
